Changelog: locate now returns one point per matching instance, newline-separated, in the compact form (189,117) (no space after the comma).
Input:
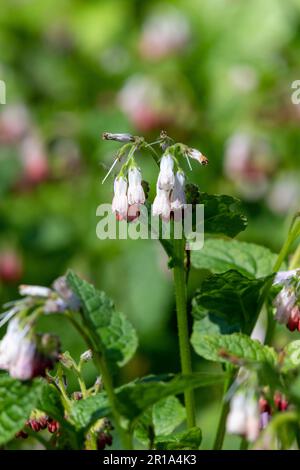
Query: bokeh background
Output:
(215,74)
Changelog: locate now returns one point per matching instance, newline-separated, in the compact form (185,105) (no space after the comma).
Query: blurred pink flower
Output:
(11,267)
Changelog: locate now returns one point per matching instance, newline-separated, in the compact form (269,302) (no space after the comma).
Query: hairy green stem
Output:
(221,430)
(182,323)
(107,381)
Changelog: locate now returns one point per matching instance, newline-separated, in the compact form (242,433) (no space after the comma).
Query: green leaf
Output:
(219,256)
(222,215)
(291,355)
(17,400)
(137,396)
(113,334)
(50,403)
(231,302)
(236,348)
(167,415)
(187,440)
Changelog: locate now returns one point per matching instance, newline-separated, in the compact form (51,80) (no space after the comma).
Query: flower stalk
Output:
(182,323)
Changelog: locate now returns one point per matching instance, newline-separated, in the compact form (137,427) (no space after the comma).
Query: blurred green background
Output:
(215,74)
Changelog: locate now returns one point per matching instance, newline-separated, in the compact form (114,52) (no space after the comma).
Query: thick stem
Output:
(182,322)
(107,382)
(221,431)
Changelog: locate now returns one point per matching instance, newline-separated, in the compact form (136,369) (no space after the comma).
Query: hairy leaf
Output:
(236,348)
(187,440)
(222,215)
(229,302)
(219,256)
(167,415)
(17,400)
(291,356)
(113,334)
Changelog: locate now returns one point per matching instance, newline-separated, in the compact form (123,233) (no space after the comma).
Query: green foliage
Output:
(228,302)
(219,256)
(187,440)
(137,396)
(236,348)
(111,331)
(167,415)
(17,400)
(291,356)
(222,215)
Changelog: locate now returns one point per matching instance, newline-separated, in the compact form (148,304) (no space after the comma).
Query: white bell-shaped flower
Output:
(136,193)
(178,199)
(161,204)
(120,202)
(166,177)
(10,344)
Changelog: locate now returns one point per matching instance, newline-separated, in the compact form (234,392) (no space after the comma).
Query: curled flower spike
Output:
(166,178)
(161,204)
(124,138)
(136,193)
(197,155)
(120,202)
(178,199)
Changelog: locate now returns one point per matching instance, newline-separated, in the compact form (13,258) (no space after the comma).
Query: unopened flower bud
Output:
(124,138)
(197,155)
(87,355)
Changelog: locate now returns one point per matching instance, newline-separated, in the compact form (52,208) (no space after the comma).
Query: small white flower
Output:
(283,277)
(243,418)
(34,291)
(120,203)
(237,416)
(23,368)
(136,193)
(166,178)
(284,303)
(178,200)
(197,155)
(10,344)
(161,204)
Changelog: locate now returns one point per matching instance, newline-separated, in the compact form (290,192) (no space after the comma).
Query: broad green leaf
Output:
(222,215)
(167,415)
(219,256)
(187,440)
(236,348)
(113,334)
(137,396)
(159,420)
(144,429)
(229,302)
(17,400)
(291,356)
(50,402)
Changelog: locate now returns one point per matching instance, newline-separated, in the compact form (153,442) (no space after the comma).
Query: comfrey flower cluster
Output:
(287,302)
(24,353)
(129,192)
